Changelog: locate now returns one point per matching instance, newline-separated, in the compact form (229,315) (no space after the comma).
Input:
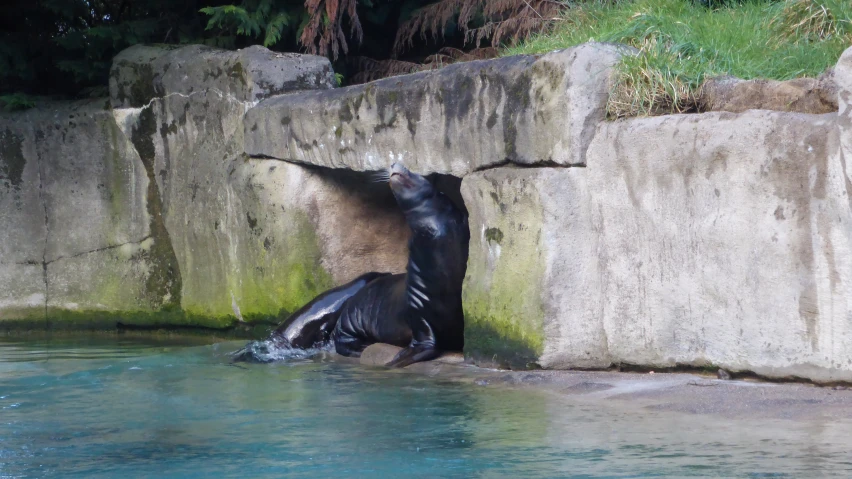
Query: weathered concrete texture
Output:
(531,254)
(131,211)
(724,239)
(93,185)
(142,73)
(714,239)
(189,134)
(75,188)
(24,230)
(843,78)
(111,279)
(78,175)
(250,239)
(23,292)
(454,120)
(187,144)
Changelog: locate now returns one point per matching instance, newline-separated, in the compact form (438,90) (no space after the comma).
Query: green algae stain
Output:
(504,314)
(116,177)
(141,88)
(237,72)
(166,320)
(493,235)
(501,341)
(290,276)
(266,280)
(164,283)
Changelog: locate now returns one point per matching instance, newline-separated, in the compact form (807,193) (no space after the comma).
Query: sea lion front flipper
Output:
(422,347)
(414,354)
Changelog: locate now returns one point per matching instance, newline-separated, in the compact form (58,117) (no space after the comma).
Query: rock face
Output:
(217,187)
(802,95)
(750,217)
(142,73)
(73,193)
(455,120)
(688,240)
(531,248)
(249,235)
(150,212)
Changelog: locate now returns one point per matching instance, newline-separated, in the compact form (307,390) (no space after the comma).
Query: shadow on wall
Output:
(360,225)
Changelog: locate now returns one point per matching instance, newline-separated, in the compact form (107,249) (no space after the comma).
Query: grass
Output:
(682,43)
(16,101)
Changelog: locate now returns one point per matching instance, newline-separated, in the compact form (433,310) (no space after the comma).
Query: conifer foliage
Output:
(65,47)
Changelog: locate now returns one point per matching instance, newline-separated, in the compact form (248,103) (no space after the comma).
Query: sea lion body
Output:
(420,310)
(308,328)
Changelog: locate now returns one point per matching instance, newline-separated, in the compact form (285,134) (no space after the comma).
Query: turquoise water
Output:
(142,408)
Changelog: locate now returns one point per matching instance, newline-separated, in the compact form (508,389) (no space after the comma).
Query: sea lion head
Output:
(410,189)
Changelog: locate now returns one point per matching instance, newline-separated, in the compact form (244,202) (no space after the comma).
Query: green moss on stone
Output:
(238,73)
(27,314)
(164,281)
(272,279)
(58,319)
(142,88)
(504,313)
(494,235)
(286,281)
(501,341)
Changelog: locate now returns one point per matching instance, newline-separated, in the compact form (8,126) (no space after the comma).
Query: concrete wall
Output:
(142,209)
(217,187)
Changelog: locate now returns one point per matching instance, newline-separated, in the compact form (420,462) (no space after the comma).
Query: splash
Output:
(269,351)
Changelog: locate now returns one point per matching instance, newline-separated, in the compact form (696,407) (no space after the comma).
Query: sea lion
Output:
(420,310)
(308,328)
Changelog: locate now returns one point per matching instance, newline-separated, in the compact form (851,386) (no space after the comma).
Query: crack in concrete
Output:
(247,104)
(46,236)
(98,250)
(492,166)
(536,164)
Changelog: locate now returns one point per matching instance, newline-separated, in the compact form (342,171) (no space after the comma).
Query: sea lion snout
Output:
(401,179)
(397,169)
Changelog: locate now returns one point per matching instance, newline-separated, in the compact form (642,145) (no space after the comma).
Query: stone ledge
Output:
(455,120)
(143,72)
(802,95)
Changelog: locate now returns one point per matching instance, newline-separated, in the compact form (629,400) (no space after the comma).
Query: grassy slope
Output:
(682,43)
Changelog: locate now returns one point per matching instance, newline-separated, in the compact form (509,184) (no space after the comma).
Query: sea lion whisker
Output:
(380,177)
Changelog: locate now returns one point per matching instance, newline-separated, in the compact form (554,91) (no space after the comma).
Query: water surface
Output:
(136,407)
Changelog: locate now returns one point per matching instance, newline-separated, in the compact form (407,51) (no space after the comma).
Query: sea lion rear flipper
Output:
(309,327)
